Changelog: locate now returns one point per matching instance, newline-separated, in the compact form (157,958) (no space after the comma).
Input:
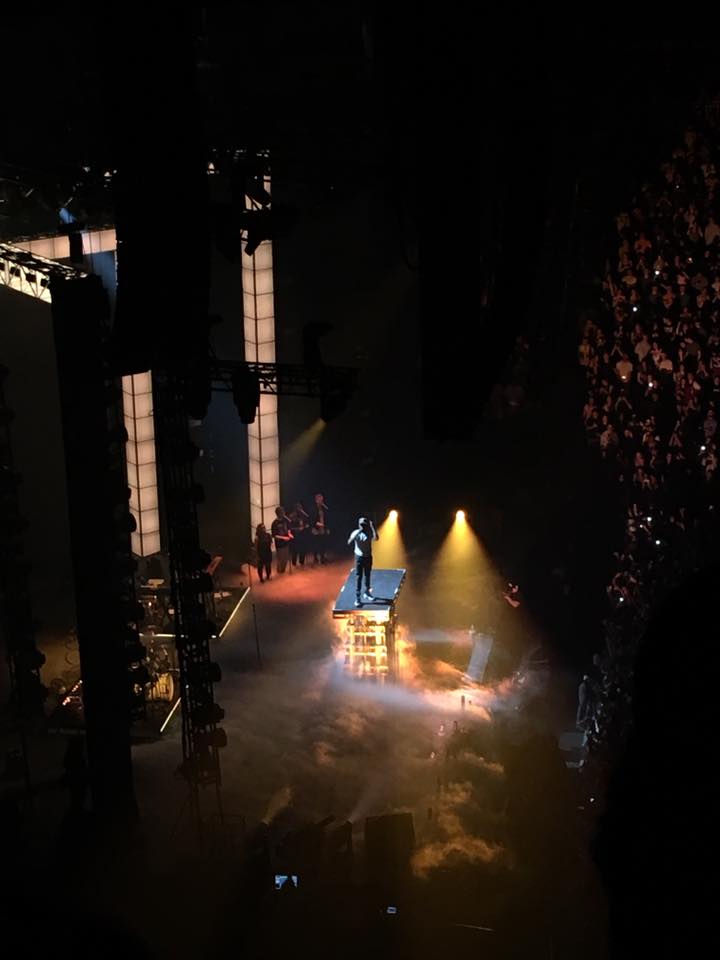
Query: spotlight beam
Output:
(390,550)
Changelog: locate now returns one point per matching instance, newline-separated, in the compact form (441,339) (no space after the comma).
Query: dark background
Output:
(453,176)
(452,181)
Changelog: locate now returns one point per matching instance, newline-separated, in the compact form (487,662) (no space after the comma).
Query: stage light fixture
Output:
(311,335)
(333,404)
(255,190)
(246,392)
(393,515)
(459,516)
(198,392)
(257,225)
(335,394)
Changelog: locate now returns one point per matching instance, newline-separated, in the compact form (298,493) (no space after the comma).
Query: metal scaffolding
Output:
(191,590)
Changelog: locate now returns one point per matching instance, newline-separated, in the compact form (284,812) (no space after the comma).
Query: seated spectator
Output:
(624,368)
(665,363)
(608,438)
(699,282)
(668,298)
(642,347)
(709,462)
(710,423)
(593,427)
(712,231)
(584,352)
(514,394)
(642,244)
(623,407)
(588,408)
(654,389)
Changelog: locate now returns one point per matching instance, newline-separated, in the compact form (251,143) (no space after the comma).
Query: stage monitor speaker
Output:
(482,645)
(389,842)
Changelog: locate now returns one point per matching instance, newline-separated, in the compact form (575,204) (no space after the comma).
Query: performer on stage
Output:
(282,535)
(319,529)
(299,524)
(361,540)
(263,552)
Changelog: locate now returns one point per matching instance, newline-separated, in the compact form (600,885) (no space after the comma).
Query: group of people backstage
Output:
(295,536)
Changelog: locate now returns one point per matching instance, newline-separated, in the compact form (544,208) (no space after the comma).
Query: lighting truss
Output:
(31,274)
(288,379)
(191,589)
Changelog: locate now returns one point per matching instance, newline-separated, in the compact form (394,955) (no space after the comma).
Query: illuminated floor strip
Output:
(169,717)
(171,636)
(227,624)
(237,607)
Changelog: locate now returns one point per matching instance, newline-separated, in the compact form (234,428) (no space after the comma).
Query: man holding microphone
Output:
(361,540)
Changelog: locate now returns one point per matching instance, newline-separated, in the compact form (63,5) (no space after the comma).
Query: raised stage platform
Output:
(368,631)
(386,585)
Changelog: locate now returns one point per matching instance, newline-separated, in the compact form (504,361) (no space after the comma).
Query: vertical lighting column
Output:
(141,466)
(27,266)
(140,457)
(259,324)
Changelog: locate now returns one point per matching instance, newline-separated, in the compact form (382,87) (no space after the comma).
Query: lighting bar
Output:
(31,274)
(235,610)
(169,717)
(58,247)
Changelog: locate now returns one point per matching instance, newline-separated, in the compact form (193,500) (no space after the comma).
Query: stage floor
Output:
(385,585)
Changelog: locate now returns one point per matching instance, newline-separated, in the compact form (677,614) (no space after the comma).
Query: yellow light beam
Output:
(462,581)
(297,453)
(461,547)
(389,551)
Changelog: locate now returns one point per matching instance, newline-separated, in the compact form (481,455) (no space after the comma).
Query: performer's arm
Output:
(374,531)
(351,538)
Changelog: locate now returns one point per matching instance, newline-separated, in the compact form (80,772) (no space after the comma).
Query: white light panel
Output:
(259,331)
(141,465)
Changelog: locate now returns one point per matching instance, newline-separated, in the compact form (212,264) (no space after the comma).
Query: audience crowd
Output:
(510,392)
(652,362)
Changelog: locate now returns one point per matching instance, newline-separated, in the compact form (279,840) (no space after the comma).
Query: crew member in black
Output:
(263,552)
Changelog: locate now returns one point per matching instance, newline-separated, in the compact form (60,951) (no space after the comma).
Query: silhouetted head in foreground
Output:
(657,845)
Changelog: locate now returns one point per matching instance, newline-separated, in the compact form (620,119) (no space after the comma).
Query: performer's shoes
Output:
(358,602)
(368,598)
